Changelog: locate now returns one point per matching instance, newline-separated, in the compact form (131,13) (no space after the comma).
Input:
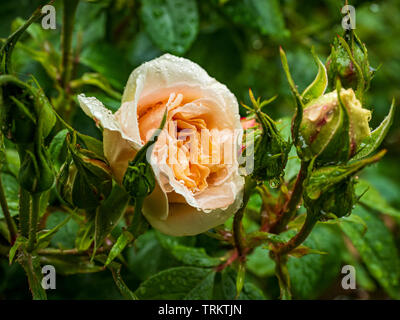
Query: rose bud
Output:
(270,149)
(194,190)
(323,125)
(330,190)
(21,105)
(36,172)
(27,119)
(349,61)
(85,178)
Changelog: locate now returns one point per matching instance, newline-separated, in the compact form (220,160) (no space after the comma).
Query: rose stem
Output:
(299,238)
(24,209)
(66,39)
(250,184)
(282,274)
(280,254)
(34,221)
(290,207)
(66,67)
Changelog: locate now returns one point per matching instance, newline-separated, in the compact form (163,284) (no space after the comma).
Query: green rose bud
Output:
(330,190)
(139,180)
(323,127)
(27,119)
(36,173)
(270,149)
(338,200)
(271,154)
(17,119)
(349,61)
(21,106)
(85,179)
(65,180)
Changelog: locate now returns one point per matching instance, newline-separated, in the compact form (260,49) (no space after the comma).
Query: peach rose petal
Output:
(184,220)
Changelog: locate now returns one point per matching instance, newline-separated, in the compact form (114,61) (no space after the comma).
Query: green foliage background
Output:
(237,42)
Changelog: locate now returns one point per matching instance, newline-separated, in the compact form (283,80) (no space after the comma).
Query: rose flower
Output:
(195,157)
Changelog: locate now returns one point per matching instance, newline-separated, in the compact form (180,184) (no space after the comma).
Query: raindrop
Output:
(374,7)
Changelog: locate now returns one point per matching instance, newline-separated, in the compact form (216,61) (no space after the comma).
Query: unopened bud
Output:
(322,125)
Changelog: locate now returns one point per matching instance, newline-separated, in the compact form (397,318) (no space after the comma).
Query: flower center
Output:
(195,153)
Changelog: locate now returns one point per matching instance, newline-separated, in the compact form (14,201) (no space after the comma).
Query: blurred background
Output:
(237,42)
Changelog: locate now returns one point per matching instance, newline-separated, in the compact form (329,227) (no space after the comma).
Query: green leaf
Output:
(377,249)
(48,58)
(298,116)
(264,15)
(7,48)
(45,236)
(351,218)
(66,228)
(227,56)
(371,143)
(17,244)
(310,275)
(187,255)
(265,237)
(373,199)
(148,257)
(240,279)
(109,214)
(139,224)
(12,162)
(259,263)
(92,144)
(122,241)
(92,181)
(323,179)
(57,144)
(171,24)
(11,190)
(363,278)
(225,287)
(318,86)
(294,163)
(68,265)
(107,61)
(85,236)
(204,290)
(177,283)
(97,80)
(303,250)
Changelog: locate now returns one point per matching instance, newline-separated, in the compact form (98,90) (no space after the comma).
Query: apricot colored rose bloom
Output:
(195,157)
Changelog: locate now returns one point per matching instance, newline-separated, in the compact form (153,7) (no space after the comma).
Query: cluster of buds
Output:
(27,120)
(331,130)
